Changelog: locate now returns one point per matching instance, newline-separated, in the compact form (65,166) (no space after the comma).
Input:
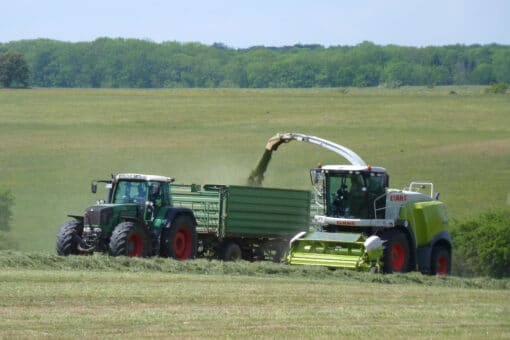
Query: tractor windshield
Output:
(130,192)
(352,195)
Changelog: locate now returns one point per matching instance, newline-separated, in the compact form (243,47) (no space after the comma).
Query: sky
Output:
(242,24)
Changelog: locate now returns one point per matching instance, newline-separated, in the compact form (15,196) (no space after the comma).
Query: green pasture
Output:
(57,304)
(105,297)
(53,142)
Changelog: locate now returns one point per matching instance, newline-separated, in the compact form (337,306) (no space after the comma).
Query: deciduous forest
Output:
(133,63)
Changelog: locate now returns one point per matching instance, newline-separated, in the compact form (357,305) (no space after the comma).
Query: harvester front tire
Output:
(130,239)
(396,256)
(179,240)
(67,238)
(441,261)
(231,252)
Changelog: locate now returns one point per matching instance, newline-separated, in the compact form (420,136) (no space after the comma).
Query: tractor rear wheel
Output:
(179,240)
(396,255)
(231,251)
(130,239)
(68,238)
(441,261)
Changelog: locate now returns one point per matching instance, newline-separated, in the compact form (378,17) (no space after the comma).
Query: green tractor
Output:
(365,225)
(137,220)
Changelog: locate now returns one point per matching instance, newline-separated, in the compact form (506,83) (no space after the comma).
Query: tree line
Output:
(134,63)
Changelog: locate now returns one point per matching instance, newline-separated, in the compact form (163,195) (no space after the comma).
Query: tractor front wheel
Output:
(130,239)
(68,238)
(441,261)
(396,256)
(179,240)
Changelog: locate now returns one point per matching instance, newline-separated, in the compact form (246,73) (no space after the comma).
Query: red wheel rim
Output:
(442,265)
(182,243)
(135,245)
(397,257)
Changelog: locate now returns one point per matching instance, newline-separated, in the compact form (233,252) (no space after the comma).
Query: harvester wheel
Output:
(231,252)
(396,254)
(68,238)
(179,240)
(441,261)
(130,239)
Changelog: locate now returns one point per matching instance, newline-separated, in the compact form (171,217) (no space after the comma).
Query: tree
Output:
(6,201)
(482,244)
(13,69)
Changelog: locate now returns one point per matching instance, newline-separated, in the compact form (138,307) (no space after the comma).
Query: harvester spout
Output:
(257,176)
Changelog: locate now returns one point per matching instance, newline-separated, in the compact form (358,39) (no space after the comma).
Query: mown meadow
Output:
(105,297)
(55,141)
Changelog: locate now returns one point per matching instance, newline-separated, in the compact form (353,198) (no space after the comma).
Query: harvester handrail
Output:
(375,204)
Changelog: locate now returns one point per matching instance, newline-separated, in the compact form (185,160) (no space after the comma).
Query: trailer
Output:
(242,222)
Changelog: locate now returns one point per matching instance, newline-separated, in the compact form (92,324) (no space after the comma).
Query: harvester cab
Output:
(364,224)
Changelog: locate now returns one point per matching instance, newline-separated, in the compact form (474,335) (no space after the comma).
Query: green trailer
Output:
(251,223)
(149,215)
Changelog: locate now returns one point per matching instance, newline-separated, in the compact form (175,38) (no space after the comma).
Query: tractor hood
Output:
(106,216)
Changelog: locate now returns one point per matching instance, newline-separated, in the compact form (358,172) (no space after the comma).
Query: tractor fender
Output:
(172,213)
(424,253)
(77,218)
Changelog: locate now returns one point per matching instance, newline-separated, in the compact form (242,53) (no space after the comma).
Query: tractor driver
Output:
(155,193)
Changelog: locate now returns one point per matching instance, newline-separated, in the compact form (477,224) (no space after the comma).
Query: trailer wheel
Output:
(441,261)
(130,239)
(179,240)
(231,252)
(281,249)
(396,252)
(68,238)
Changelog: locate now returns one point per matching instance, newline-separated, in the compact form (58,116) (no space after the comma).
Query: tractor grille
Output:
(98,216)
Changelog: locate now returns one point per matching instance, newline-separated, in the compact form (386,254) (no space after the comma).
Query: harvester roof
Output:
(349,168)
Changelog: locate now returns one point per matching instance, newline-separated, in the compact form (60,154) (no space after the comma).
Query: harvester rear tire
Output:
(67,243)
(179,239)
(396,256)
(231,252)
(441,261)
(130,239)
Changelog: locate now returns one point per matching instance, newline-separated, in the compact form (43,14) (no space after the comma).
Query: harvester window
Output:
(346,194)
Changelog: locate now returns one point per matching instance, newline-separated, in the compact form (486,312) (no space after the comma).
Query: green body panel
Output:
(252,211)
(206,205)
(336,250)
(242,211)
(426,219)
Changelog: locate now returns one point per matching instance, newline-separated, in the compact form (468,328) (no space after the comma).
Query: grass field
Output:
(99,296)
(54,141)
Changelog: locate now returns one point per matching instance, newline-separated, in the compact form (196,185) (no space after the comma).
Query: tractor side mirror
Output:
(93,187)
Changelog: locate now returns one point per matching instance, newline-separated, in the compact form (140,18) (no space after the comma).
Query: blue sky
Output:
(243,24)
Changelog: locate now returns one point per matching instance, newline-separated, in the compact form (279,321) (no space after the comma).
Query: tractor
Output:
(365,225)
(137,220)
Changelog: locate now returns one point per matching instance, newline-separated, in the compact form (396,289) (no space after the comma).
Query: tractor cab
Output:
(351,191)
(130,196)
